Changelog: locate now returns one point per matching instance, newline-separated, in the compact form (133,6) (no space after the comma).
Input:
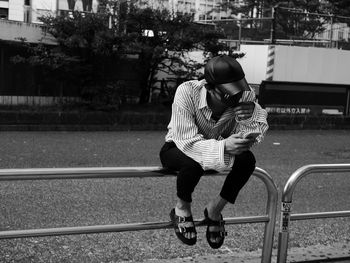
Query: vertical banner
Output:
(77,5)
(270,62)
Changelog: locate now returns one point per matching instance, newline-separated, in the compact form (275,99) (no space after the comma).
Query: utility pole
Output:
(127,2)
(331,32)
(57,8)
(239,35)
(273,25)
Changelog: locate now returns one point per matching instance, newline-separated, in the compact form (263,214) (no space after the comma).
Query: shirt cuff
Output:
(251,119)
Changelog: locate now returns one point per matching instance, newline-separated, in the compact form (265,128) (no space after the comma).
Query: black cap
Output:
(225,71)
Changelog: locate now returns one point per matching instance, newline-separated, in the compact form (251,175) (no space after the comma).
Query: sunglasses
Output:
(227,98)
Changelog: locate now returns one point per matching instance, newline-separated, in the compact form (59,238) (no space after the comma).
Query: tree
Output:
(86,48)
(337,7)
(172,35)
(291,18)
(294,22)
(340,9)
(94,43)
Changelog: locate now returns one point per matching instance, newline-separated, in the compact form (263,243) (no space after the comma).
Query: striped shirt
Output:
(201,138)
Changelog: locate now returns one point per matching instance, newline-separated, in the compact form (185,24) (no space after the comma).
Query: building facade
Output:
(19,21)
(335,32)
(199,9)
(29,11)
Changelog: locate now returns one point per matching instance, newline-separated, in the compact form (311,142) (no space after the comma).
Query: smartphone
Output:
(252,135)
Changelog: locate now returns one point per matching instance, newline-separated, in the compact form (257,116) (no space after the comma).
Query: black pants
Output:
(190,172)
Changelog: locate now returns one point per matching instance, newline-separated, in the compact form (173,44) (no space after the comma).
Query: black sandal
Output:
(215,234)
(180,227)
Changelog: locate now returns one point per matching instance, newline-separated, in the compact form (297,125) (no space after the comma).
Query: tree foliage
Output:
(293,22)
(338,7)
(172,36)
(91,46)
(292,18)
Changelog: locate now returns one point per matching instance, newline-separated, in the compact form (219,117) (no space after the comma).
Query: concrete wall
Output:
(308,64)
(297,64)
(11,30)
(254,62)
(42,7)
(4,4)
(16,10)
(39,8)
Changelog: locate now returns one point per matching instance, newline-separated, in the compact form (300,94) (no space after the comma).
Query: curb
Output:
(338,252)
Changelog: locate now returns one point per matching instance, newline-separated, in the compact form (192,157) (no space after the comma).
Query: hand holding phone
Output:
(251,135)
(235,144)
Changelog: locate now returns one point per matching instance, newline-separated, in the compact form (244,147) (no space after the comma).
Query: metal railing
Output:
(286,203)
(134,172)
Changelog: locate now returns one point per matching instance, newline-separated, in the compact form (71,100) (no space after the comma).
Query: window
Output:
(27,2)
(4,13)
(27,15)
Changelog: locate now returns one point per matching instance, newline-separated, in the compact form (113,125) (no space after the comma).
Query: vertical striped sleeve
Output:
(256,123)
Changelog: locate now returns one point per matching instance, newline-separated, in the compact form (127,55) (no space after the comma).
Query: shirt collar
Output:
(202,95)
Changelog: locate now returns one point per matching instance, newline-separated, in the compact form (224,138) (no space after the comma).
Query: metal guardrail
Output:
(135,172)
(286,203)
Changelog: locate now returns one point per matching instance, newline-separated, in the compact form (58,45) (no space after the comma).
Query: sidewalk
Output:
(339,252)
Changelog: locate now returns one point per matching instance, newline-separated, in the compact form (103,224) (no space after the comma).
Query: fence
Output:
(286,205)
(126,172)
(141,172)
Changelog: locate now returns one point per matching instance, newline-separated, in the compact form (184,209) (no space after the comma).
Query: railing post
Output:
(283,235)
(271,210)
(287,197)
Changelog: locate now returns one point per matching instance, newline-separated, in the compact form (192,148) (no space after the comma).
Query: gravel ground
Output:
(41,204)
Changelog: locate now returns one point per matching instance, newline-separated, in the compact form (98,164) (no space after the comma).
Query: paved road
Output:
(90,202)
